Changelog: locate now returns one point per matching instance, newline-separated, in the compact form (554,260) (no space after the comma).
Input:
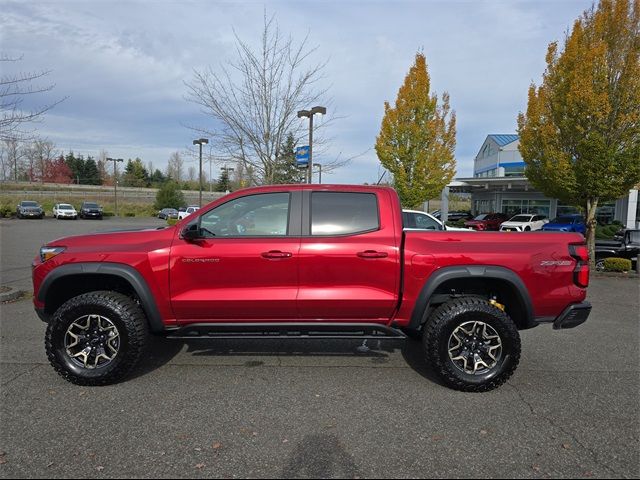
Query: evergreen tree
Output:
(169,196)
(158,177)
(135,174)
(580,136)
(285,167)
(417,139)
(224,183)
(91,174)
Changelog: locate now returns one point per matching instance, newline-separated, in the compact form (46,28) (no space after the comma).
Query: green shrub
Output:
(617,264)
(169,196)
(6,210)
(130,214)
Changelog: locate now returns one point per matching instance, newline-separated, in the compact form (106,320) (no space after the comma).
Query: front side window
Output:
(263,215)
(338,213)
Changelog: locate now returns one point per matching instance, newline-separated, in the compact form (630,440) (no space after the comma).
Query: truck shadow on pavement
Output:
(161,351)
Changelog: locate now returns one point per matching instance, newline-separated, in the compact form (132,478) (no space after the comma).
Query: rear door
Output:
(349,257)
(244,266)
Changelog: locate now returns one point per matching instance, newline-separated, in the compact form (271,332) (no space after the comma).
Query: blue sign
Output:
(302,156)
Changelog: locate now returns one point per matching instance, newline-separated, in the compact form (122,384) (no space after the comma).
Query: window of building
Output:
(605,213)
(484,206)
(538,207)
(567,210)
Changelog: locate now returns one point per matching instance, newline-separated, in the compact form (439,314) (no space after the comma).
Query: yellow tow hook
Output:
(496,304)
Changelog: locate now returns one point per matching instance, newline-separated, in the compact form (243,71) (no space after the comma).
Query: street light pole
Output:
(200,142)
(319,165)
(115,181)
(309,114)
(227,170)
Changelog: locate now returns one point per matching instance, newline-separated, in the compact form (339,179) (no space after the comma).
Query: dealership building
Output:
(499,184)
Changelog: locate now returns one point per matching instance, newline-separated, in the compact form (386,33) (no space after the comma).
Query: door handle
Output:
(372,254)
(276,254)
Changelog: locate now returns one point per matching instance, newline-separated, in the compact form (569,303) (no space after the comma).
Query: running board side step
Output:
(285,330)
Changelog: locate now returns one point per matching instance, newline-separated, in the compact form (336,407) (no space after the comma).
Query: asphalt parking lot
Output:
(318,409)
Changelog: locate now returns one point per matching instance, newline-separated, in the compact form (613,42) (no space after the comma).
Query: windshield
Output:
(29,204)
(90,205)
(481,217)
(64,206)
(521,218)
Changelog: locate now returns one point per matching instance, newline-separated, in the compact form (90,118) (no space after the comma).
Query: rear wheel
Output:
(471,344)
(96,338)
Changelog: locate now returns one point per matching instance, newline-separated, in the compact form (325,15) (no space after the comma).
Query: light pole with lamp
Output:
(319,165)
(200,141)
(115,181)
(227,170)
(309,114)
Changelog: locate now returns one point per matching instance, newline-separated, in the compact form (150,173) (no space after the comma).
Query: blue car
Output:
(566,223)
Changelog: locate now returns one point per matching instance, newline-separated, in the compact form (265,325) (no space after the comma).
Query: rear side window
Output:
(337,213)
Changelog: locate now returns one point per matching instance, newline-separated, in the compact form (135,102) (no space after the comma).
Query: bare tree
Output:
(13,89)
(38,152)
(175,167)
(256,99)
(191,173)
(14,153)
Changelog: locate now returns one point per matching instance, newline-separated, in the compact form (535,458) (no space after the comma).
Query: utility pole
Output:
(115,181)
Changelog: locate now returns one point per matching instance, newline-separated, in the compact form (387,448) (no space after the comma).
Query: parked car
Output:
(626,247)
(64,210)
(29,209)
(417,220)
(341,266)
(90,210)
(168,213)
(487,221)
(524,222)
(184,212)
(566,223)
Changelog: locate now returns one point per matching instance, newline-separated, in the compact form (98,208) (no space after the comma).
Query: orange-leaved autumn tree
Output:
(580,136)
(417,139)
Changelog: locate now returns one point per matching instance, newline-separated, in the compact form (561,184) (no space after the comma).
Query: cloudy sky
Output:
(123,64)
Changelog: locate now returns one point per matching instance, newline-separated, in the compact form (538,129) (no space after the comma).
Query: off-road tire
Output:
(443,322)
(123,312)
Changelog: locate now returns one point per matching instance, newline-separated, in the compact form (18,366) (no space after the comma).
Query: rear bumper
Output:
(573,316)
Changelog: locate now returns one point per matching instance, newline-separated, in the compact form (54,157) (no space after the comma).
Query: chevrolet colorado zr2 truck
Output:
(310,261)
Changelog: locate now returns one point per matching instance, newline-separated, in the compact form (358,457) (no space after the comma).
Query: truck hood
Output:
(117,240)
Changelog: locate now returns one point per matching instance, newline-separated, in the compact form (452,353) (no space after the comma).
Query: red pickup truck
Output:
(311,261)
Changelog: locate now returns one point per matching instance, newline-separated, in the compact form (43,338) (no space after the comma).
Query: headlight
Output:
(47,253)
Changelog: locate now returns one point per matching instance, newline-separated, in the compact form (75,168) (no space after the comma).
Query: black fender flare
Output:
(126,272)
(471,271)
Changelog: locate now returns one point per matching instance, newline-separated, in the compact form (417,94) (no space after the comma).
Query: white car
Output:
(64,210)
(185,212)
(524,222)
(416,220)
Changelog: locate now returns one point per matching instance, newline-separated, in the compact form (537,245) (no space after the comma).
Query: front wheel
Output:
(471,344)
(600,265)
(96,338)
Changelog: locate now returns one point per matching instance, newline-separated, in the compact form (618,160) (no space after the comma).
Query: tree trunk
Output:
(592,205)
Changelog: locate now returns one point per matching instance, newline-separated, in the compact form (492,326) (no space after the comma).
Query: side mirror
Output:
(191,232)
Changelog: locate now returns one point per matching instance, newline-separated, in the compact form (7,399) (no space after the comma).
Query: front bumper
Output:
(573,316)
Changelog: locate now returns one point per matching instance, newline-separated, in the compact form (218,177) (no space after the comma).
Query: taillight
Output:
(581,273)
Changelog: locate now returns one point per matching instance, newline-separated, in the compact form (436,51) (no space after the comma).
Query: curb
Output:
(12,294)
(616,274)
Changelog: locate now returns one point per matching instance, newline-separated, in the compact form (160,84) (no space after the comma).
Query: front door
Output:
(242,266)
